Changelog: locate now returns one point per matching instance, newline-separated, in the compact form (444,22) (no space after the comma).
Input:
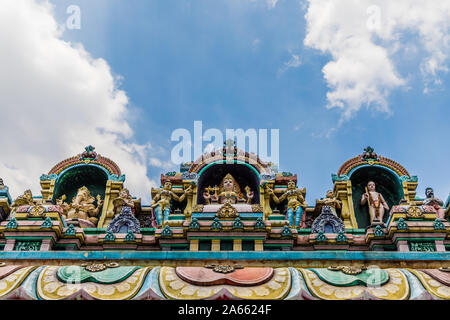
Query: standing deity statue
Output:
(331,201)
(296,202)
(227,192)
(24,200)
(377,204)
(436,203)
(81,207)
(161,203)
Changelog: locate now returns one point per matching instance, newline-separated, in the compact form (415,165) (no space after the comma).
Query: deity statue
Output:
(161,201)
(377,204)
(296,202)
(331,201)
(436,203)
(227,192)
(82,206)
(24,200)
(123,200)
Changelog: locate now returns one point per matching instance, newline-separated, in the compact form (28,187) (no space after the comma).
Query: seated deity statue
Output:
(331,201)
(296,202)
(123,200)
(162,201)
(377,204)
(24,200)
(81,208)
(436,203)
(227,192)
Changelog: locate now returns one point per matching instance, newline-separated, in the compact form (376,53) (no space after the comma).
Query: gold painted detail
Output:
(444,269)
(197,208)
(220,268)
(352,270)
(257,208)
(227,211)
(414,212)
(36,212)
(96,267)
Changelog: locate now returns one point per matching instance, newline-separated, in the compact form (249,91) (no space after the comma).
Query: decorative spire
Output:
(369,155)
(89,153)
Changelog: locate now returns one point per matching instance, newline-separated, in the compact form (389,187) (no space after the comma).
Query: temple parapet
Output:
(218,204)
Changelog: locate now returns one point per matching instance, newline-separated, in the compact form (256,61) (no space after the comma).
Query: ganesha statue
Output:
(81,211)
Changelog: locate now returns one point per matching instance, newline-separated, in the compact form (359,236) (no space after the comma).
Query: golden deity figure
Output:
(296,202)
(123,200)
(227,192)
(377,204)
(81,207)
(331,201)
(162,201)
(24,200)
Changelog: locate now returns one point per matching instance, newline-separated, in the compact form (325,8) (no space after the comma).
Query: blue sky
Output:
(225,63)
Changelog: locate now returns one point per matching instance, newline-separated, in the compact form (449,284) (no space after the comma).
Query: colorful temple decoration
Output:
(227,226)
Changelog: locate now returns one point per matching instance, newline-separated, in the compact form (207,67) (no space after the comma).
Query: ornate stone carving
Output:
(376,203)
(296,203)
(436,203)
(124,222)
(227,211)
(189,176)
(257,208)
(353,270)
(197,208)
(36,212)
(161,203)
(194,224)
(414,212)
(81,207)
(219,268)
(24,200)
(327,218)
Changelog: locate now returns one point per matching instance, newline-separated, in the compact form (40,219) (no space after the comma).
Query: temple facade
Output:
(226,226)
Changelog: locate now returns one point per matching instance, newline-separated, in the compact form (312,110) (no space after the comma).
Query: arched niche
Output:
(243,173)
(387,183)
(70,180)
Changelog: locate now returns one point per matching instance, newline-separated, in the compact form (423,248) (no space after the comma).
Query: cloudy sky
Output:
(332,75)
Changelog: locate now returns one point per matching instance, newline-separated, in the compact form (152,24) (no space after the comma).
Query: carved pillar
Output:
(409,190)
(9,246)
(47,189)
(46,245)
(188,209)
(111,192)
(343,190)
(215,245)
(237,245)
(402,246)
(440,247)
(193,245)
(265,200)
(259,246)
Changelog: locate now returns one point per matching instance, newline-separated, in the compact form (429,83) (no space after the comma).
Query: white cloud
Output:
(55,99)
(294,62)
(361,37)
(155,162)
(271,3)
